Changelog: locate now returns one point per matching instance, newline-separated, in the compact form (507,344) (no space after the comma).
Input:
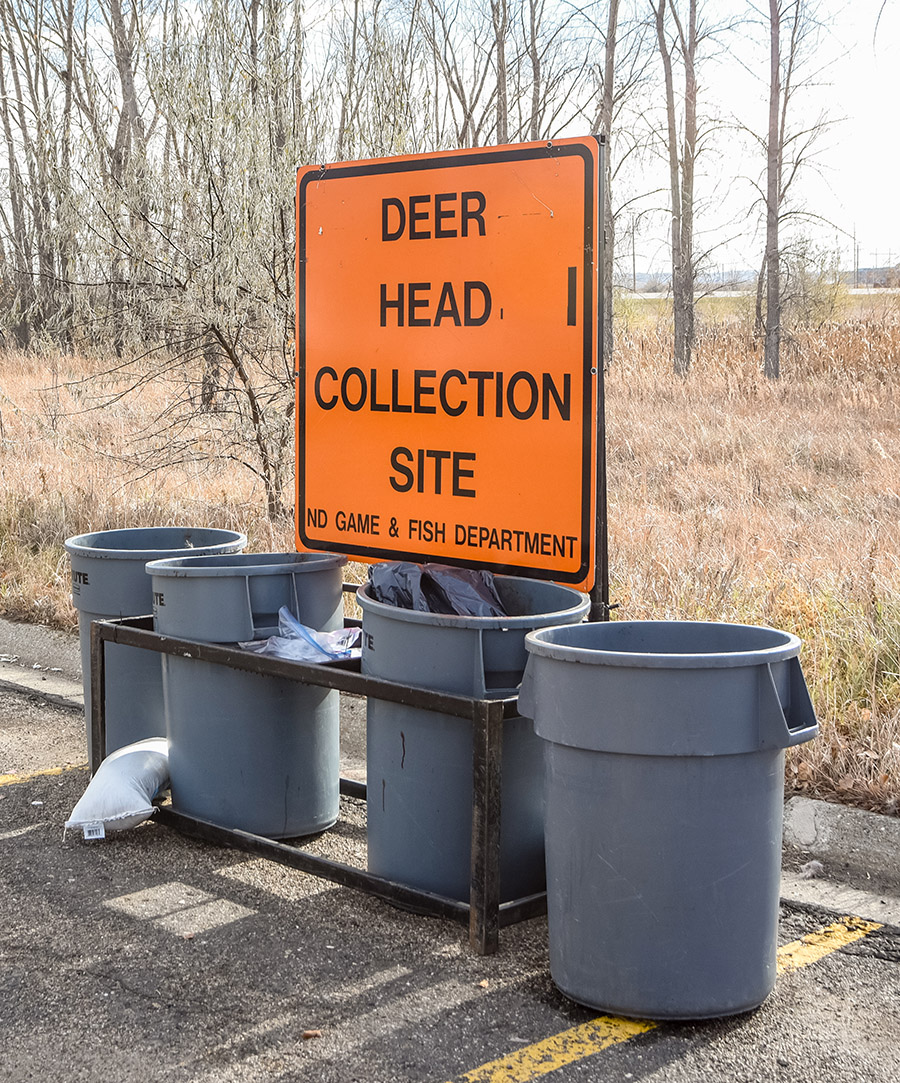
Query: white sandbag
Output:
(121,793)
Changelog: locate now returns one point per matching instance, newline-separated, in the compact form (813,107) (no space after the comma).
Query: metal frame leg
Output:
(98,698)
(484,897)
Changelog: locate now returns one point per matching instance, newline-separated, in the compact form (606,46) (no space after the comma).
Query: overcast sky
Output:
(865,159)
(855,182)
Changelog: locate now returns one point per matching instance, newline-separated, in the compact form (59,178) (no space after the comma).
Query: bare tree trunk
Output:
(682,358)
(688,159)
(772,362)
(27,77)
(212,374)
(534,57)
(347,96)
(609,225)
(130,145)
(759,315)
(129,158)
(270,467)
(682,161)
(253,19)
(23,291)
(463,46)
(66,243)
(500,19)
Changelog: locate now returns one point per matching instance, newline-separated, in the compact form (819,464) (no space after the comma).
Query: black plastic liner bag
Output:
(436,588)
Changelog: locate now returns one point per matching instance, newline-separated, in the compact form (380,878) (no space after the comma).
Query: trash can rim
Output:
(787,646)
(78,545)
(454,620)
(212,565)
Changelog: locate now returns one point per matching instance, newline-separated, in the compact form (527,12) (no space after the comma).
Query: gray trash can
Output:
(665,784)
(108,582)
(419,763)
(261,754)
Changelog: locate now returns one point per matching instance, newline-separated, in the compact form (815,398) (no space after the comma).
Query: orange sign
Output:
(447,358)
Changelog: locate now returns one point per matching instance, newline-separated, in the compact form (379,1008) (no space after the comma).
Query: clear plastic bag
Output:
(436,588)
(298,643)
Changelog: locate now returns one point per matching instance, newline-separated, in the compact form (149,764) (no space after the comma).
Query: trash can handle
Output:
(779,728)
(526,691)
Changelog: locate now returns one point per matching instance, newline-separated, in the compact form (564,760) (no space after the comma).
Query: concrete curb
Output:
(36,645)
(845,840)
(882,907)
(49,684)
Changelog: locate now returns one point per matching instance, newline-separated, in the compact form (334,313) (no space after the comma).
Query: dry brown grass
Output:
(735,499)
(66,467)
(730,499)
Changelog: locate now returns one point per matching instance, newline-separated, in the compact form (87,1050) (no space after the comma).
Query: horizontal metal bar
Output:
(420,902)
(531,906)
(343,676)
(351,788)
(145,622)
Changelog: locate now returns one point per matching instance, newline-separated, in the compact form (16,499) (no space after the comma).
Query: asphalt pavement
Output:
(150,956)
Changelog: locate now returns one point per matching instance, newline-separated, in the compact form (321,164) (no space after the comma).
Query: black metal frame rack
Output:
(484,913)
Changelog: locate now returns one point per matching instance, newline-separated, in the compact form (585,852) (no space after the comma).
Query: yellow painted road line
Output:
(811,948)
(583,1041)
(11,780)
(559,1050)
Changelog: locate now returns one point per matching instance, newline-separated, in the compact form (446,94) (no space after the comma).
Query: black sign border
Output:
(591,367)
